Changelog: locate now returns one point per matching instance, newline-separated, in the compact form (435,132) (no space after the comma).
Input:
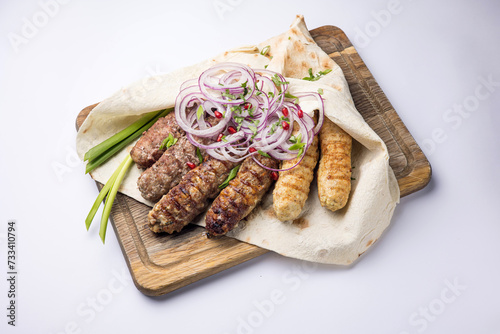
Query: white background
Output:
(428,57)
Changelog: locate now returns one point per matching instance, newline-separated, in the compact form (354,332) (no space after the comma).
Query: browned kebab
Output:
(168,171)
(147,149)
(190,197)
(241,196)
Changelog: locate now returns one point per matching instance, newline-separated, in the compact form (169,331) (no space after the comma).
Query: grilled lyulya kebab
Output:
(168,171)
(241,196)
(334,171)
(176,161)
(190,197)
(148,149)
(292,188)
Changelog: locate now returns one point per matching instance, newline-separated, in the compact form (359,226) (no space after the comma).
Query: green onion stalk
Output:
(101,153)
(110,198)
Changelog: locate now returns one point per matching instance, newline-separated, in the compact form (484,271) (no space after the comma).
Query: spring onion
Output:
(99,154)
(122,170)
(108,148)
(104,191)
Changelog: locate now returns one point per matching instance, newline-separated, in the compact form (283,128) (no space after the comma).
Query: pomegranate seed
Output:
(300,113)
(231,130)
(285,112)
(252,149)
(285,125)
(219,137)
(217,114)
(191,165)
(247,105)
(274,176)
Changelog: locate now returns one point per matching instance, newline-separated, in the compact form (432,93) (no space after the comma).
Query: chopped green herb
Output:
(289,38)
(271,94)
(310,71)
(232,175)
(265,50)
(168,142)
(296,139)
(290,96)
(263,153)
(198,153)
(311,77)
(199,112)
(320,91)
(239,119)
(245,90)
(301,151)
(273,128)
(254,130)
(265,66)
(277,81)
(224,139)
(296,146)
(236,109)
(228,95)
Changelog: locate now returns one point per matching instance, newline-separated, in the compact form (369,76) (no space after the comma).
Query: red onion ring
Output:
(252,103)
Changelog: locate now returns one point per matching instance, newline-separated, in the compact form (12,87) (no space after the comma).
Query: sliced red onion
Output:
(228,88)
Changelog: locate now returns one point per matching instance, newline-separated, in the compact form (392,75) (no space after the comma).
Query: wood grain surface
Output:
(162,263)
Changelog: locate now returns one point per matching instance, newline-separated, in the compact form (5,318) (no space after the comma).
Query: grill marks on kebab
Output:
(190,197)
(241,196)
(334,171)
(292,188)
(168,171)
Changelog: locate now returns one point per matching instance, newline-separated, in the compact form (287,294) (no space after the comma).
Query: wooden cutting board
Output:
(162,263)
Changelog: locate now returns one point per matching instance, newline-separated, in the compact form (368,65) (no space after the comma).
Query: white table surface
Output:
(435,270)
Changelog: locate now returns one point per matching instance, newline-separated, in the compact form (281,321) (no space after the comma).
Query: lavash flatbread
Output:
(318,235)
